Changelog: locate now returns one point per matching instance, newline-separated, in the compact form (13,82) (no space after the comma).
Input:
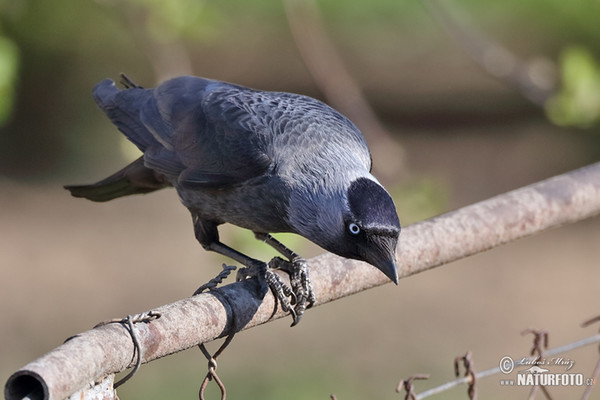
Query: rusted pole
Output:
(95,354)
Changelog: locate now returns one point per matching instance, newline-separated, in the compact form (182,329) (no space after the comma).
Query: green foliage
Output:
(170,20)
(578,102)
(244,241)
(420,199)
(59,49)
(9,65)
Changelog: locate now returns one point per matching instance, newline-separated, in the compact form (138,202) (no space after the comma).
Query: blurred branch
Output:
(535,79)
(327,68)
(167,55)
(578,101)
(95,354)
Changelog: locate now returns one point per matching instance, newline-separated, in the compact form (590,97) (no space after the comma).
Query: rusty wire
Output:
(212,368)
(407,385)
(469,373)
(540,343)
(493,371)
(212,359)
(128,322)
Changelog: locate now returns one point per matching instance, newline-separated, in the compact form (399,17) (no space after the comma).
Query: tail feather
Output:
(135,178)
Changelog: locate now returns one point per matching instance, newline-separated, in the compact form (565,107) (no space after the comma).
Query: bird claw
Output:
(214,282)
(301,287)
(280,290)
(295,298)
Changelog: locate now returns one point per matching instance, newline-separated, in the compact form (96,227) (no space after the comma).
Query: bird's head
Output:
(360,223)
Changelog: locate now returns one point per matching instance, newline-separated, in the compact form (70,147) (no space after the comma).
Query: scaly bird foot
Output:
(217,280)
(280,290)
(301,287)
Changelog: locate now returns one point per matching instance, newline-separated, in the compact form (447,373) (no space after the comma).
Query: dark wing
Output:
(304,134)
(135,178)
(189,130)
(123,108)
(315,138)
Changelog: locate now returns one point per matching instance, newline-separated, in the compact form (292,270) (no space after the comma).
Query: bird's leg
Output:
(297,269)
(255,268)
(207,234)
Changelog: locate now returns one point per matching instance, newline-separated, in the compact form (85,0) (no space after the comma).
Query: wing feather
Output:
(204,133)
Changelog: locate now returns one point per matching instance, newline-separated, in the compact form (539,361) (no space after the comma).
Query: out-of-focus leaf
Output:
(9,64)
(578,102)
(420,199)
(167,20)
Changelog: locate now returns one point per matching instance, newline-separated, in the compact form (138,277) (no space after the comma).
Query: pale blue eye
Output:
(353,228)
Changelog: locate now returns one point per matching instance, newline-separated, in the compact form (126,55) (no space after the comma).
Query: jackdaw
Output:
(265,161)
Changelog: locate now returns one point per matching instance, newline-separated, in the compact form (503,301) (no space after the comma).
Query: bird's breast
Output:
(261,206)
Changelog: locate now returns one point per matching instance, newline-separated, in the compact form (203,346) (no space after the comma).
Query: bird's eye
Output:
(353,228)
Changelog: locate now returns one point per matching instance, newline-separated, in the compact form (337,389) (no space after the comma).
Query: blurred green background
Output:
(514,100)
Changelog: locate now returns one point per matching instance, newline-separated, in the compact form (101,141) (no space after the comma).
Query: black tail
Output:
(133,179)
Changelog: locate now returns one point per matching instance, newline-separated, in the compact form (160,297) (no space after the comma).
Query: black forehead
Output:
(371,204)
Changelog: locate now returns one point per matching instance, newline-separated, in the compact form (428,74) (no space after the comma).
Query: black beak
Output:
(382,254)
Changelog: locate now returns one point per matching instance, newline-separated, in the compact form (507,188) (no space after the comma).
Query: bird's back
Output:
(204,133)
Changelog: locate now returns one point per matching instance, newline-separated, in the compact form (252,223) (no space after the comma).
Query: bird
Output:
(261,160)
